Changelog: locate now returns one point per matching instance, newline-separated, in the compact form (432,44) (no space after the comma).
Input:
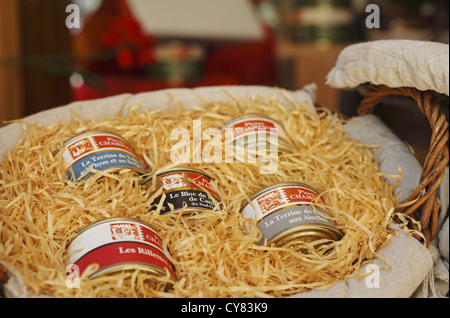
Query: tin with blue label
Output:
(98,150)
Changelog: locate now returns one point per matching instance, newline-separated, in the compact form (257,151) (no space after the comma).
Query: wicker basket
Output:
(426,208)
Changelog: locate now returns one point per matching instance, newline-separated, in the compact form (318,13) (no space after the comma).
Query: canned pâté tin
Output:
(100,150)
(185,189)
(247,131)
(284,215)
(119,244)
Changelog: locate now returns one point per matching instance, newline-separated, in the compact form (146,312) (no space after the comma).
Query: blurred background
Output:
(49,57)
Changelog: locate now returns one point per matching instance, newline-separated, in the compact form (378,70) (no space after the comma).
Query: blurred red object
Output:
(113,39)
(113,51)
(250,63)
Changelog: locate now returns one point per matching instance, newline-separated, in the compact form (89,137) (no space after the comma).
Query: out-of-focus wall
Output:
(10,79)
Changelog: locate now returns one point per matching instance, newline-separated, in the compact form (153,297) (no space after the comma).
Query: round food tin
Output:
(253,130)
(284,214)
(185,189)
(101,150)
(117,244)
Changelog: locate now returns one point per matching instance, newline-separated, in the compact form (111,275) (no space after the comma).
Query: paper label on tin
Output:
(99,151)
(277,198)
(185,189)
(86,145)
(283,208)
(125,254)
(200,181)
(289,217)
(190,198)
(173,181)
(248,126)
(186,179)
(110,232)
(257,133)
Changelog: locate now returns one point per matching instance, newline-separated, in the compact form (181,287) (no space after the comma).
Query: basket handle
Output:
(426,208)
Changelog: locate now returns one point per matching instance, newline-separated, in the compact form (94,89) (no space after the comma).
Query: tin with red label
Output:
(118,244)
(255,131)
(183,189)
(285,214)
(100,150)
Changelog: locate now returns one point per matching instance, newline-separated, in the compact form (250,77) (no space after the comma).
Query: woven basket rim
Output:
(425,209)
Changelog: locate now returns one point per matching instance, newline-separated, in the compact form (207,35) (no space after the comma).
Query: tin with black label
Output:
(183,189)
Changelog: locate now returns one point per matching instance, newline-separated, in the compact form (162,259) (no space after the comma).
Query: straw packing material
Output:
(213,254)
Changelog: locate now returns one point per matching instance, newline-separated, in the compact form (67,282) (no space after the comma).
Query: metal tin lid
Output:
(93,132)
(283,145)
(130,267)
(174,169)
(281,184)
(307,233)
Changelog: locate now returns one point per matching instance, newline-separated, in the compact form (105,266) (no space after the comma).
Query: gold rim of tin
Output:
(188,211)
(308,233)
(131,266)
(113,219)
(175,169)
(279,185)
(87,133)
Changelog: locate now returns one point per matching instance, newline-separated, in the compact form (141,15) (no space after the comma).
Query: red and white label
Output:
(299,195)
(80,148)
(186,179)
(125,253)
(126,231)
(200,181)
(111,141)
(270,201)
(173,181)
(250,126)
(95,243)
(86,145)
